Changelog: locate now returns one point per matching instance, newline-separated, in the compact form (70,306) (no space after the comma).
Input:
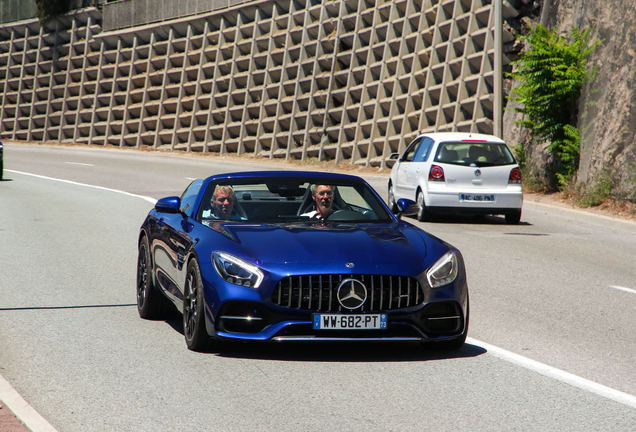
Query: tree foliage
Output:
(47,9)
(569,154)
(552,71)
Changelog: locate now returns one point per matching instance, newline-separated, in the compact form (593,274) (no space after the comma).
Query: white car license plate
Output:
(349,322)
(478,198)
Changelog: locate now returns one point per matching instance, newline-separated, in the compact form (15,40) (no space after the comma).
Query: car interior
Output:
(284,202)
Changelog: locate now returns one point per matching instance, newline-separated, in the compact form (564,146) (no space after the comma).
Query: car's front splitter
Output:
(433,321)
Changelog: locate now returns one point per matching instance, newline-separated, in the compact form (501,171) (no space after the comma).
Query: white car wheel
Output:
(392,203)
(422,214)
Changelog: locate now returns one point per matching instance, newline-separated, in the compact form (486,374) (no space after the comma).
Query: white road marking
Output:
(629,290)
(150,200)
(190,178)
(22,410)
(558,374)
(77,163)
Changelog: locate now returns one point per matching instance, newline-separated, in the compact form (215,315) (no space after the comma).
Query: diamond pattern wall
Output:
(349,79)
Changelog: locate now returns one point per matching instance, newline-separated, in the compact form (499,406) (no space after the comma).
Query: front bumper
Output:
(240,313)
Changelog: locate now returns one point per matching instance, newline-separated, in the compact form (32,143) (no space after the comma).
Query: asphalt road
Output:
(72,345)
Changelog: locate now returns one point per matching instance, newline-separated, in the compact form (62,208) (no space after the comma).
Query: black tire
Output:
(196,335)
(452,344)
(391,201)
(422,213)
(150,303)
(514,218)
(1,169)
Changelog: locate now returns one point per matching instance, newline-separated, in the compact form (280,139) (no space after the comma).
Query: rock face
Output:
(607,112)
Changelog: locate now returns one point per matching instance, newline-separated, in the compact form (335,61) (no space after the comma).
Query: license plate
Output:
(478,198)
(349,322)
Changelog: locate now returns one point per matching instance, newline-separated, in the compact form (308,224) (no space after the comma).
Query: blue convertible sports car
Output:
(258,256)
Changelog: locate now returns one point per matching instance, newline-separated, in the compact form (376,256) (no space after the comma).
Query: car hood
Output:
(325,243)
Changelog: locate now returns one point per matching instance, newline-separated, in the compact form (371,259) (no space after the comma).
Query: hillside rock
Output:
(607,112)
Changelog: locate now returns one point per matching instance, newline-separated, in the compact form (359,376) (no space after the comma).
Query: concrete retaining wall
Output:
(349,79)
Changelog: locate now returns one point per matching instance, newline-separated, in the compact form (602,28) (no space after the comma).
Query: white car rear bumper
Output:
(484,199)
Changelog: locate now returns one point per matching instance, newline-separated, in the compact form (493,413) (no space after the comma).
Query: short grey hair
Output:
(224,188)
(313,187)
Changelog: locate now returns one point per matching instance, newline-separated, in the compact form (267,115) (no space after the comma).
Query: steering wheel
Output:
(346,215)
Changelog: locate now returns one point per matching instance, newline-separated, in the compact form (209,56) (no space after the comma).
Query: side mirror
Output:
(168,205)
(394,156)
(406,207)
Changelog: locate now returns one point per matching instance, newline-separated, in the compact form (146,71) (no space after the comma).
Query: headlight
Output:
(237,271)
(444,271)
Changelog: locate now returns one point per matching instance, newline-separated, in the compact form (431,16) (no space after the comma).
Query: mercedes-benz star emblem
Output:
(352,293)
(350,265)
(477,172)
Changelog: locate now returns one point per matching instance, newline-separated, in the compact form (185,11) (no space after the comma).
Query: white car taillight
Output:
(515,176)
(436,173)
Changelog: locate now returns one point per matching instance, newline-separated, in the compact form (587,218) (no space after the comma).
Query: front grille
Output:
(319,292)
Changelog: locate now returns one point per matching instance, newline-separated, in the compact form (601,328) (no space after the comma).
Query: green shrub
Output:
(596,193)
(552,71)
(519,153)
(47,9)
(532,181)
(630,194)
(569,187)
(569,153)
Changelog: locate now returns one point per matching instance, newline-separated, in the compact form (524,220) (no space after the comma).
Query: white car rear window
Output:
(480,154)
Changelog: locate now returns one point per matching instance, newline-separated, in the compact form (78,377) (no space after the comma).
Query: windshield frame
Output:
(291,192)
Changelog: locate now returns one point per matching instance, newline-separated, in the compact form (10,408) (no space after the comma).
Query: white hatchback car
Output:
(456,172)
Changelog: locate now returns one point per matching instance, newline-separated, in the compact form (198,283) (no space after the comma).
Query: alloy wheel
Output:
(142,276)
(421,212)
(392,204)
(190,313)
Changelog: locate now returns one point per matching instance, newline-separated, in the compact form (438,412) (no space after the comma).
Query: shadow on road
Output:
(344,351)
(454,219)
(324,351)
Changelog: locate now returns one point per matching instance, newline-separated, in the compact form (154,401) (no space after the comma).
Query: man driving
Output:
(323,201)
(222,203)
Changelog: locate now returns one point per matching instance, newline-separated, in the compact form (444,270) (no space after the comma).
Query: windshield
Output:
(474,153)
(285,200)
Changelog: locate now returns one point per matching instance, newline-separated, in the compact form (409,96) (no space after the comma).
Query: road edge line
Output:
(558,374)
(9,395)
(629,290)
(145,198)
(22,409)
